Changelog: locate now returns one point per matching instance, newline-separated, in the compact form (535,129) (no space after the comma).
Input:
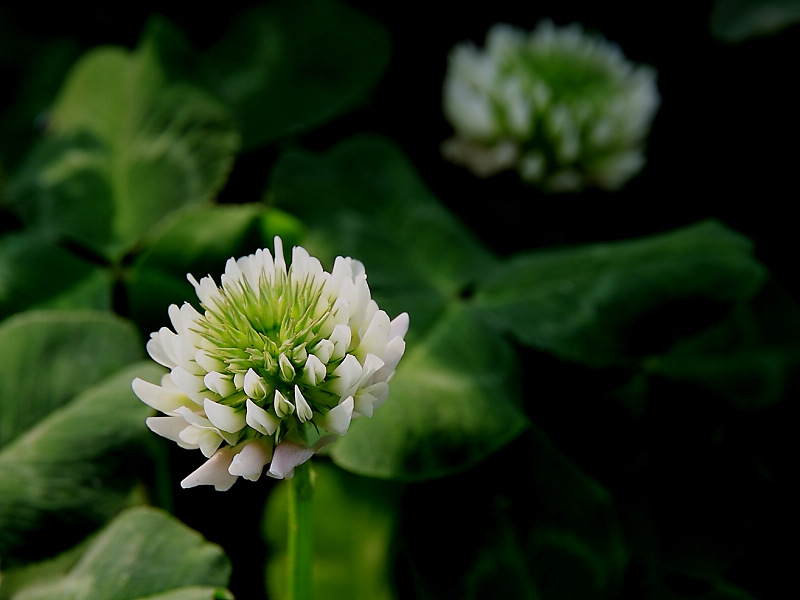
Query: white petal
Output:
(164,400)
(219,383)
(363,405)
(370,398)
(205,438)
(194,418)
(323,351)
(374,339)
(286,368)
(340,337)
(280,261)
(225,417)
(282,406)
(208,362)
(399,326)
(157,351)
(191,385)
(170,428)
(287,457)
(260,420)
(249,462)
(254,386)
(304,412)
(337,420)
(391,357)
(213,472)
(345,376)
(313,371)
(233,276)
(372,364)
(341,271)
(206,290)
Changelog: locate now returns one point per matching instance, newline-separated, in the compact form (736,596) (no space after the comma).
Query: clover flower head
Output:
(275,365)
(563,108)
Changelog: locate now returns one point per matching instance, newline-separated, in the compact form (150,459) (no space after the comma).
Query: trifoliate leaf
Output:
(126,145)
(614,303)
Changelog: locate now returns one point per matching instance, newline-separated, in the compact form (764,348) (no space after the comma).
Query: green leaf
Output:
(353,521)
(36,274)
(288,66)
(453,400)
(752,358)
(126,146)
(613,303)
(199,242)
(46,358)
(142,554)
(75,468)
(527,524)
(739,20)
(364,199)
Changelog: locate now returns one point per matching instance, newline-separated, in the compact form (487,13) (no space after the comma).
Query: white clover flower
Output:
(565,109)
(278,357)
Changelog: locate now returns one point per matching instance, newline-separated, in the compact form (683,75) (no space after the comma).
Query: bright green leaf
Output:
(353,519)
(614,303)
(143,554)
(35,273)
(76,467)
(288,66)
(126,146)
(46,358)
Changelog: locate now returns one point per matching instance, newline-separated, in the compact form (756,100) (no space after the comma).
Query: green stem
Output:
(300,534)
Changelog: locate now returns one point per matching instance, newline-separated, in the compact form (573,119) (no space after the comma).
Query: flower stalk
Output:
(300,526)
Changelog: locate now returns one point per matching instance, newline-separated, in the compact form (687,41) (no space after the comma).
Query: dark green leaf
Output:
(35,273)
(288,66)
(614,303)
(751,358)
(364,199)
(739,20)
(527,524)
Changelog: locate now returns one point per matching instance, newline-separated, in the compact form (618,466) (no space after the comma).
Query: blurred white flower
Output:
(563,108)
(278,357)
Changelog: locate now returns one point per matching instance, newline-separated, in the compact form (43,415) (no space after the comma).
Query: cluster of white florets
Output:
(563,108)
(277,357)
